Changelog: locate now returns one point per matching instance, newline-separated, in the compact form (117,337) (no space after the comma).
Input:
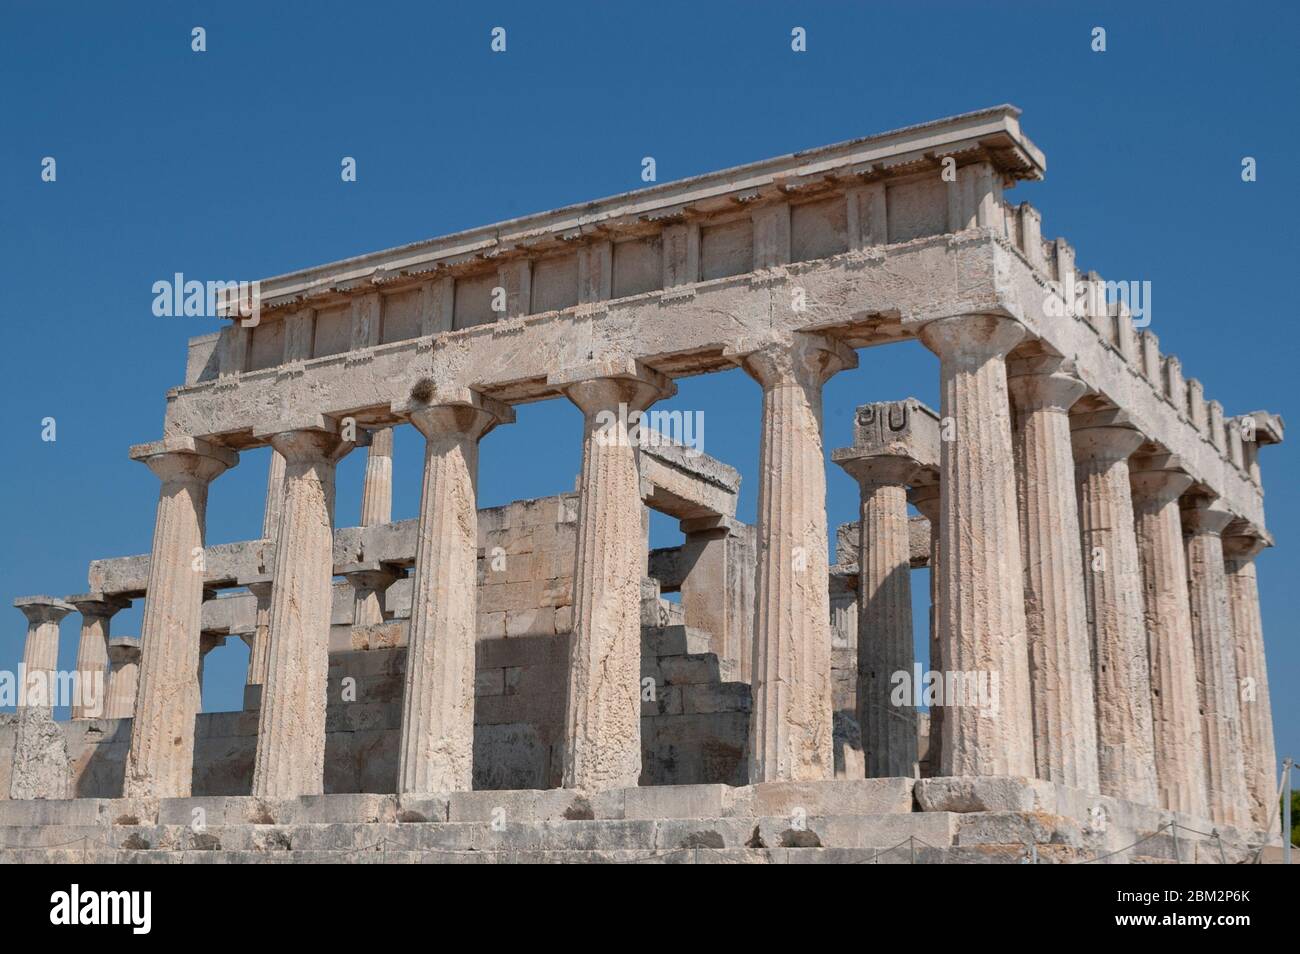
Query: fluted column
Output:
(791,725)
(1175,708)
(124,671)
(884,635)
(41,651)
(160,762)
(291,723)
(92,652)
(274,495)
(603,713)
(1216,660)
(1113,584)
(259,649)
(925,498)
(1240,546)
(437,743)
(377,487)
(1043,389)
(981,585)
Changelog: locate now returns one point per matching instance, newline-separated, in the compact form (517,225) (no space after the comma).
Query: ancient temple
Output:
(512,682)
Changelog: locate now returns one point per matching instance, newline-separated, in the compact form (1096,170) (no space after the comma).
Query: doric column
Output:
(603,713)
(884,612)
(1241,544)
(274,495)
(41,652)
(437,744)
(124,669)
(291,724)
(259,646)
(160,762)
(981,580)
(1175,709)
(377,489)
(369,583)
(92,652)
(925,498)
(1112,581)
(1043,389)
(1216,660)
(791,725)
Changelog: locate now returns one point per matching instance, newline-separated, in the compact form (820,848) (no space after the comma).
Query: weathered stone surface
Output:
(1125,743)
(1216,661)
(981,588)
(792,669)
(161,757)
(438,705)
(1043,389)
(291,732)
(40,757)
(1175,707)
(1259,754)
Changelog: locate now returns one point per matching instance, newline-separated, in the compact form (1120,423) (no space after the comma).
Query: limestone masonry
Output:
(511,684)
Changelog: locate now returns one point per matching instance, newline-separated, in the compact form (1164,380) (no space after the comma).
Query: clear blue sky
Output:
(225,164)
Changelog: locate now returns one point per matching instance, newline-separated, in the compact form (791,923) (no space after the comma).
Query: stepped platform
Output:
(859,821)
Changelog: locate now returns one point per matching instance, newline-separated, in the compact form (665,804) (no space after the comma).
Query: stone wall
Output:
(694,730)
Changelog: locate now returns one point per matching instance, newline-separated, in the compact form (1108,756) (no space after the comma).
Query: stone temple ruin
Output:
(1091,520)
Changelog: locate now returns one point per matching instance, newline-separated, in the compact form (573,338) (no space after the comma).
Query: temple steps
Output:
(855,821)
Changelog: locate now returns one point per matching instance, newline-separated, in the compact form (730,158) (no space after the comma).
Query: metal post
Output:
(1173,828)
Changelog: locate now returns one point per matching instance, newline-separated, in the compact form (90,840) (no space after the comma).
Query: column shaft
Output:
(160,762)
(124,658)
(1259,754)
(92,653)
(603,714)
(981,585)
(1175,708)
(791,725)
(1216,662)
(885,632)
(377,488)
(437,745)
(41,651)
(1112,577)
(291,724)
(1043,389)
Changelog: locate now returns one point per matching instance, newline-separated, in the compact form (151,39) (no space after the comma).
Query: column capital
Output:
(1202,514)
(877,470)
(463,411)
(1157,478)
(971,340)
(310,445)
(1242,542)
(800,359)
(1044,381)
(604,385)
(185,459)
(1104,435)
(98,604)
(372,574)
(43,609)
(925,496)
(123,649)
